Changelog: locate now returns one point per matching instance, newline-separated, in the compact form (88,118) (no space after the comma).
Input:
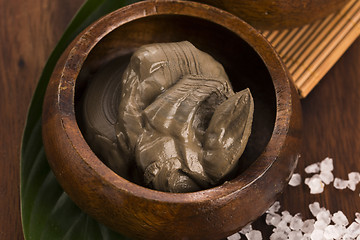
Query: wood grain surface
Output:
(29,31)
(310,51)
(268,14)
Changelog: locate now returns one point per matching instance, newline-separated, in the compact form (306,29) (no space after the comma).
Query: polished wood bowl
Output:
(280,14)
(138,212)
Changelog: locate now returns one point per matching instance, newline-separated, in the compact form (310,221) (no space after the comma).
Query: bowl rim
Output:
(87,40)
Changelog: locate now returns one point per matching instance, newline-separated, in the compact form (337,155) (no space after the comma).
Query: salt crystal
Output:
(288,227)
(274,208)
(317,234)
(254,235)
(351,185)
(339,218)
(315,184)
(326,165)
(357,217)
(320,225)
(307,236)
(314,208)
(340,184)
(308,226)
(334,232)
(353,230)
(246,229)
(324,215)
(341,229)
(347,237)
(313,168)
(326,177)
(278,236)
(235,236)
(295,180)
(282,227)
(295,235)
(296,223)
(354,176)
(354,179)
(272,219)
(286,216)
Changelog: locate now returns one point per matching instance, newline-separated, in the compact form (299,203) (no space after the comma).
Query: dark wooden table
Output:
(29,31)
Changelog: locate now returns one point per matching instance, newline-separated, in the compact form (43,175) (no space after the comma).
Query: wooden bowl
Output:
(269,14)
(138,212)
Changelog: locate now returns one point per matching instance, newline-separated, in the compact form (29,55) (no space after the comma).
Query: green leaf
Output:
(47,212)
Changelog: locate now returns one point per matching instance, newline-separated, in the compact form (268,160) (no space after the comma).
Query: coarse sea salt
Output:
(315,184)
(308,226)
(326,177)
(322,175)
(325,225)
(351,185)
(326,165)
(357,217)
(353,230)
(333,232)
(324,216)
(272,219)
(339,218)
(235,236)
(295,180)
(274,208)
(248,228)
(282,226)
(296,223)
(354,179)
(295,235)
(317,234)
(279,236)
(286,216)
(354,176)
(313,168)
(340,183)
(287,227)
(315,208)
(254,235)
(320,225)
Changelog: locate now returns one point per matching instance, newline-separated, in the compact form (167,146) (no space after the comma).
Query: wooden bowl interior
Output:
(243,65)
